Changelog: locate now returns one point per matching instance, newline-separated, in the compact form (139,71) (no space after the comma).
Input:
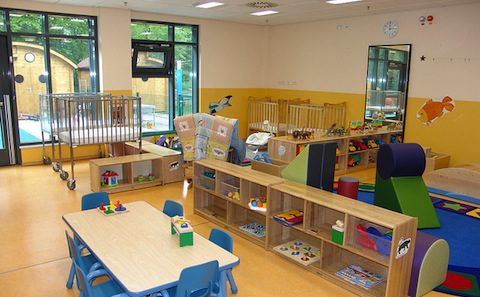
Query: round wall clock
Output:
(390,28)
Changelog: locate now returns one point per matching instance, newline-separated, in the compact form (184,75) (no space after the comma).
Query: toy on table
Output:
(290,217)
(337,232)
(182,227)
(258,203)
(112,209)
(109,178)
(119,206)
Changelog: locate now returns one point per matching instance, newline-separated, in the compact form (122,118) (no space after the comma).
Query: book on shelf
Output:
(290,217)
(359,276)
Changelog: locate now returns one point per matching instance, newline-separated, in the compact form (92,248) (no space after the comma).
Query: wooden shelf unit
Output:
(321,210)
(128,168)
(211,201)
(286,148)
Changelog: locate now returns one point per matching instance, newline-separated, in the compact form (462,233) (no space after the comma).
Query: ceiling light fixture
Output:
(264,12)
(341,1)
(208,4)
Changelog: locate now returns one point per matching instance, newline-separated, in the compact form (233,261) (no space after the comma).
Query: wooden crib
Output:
(315,117)
(267,115)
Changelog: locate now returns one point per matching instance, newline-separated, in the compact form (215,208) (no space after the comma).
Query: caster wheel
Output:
(71,184)
(56,167)
(46,161)
(63,175)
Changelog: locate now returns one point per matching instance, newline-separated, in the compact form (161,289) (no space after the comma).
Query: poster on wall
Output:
(433,110)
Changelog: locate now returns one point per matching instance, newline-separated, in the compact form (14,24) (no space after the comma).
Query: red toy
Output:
(360,146)
(364,239)
(102,206)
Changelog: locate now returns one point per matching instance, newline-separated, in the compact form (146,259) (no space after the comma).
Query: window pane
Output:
(146,31)
(183,34)
(2,21)
(155,107)
(153,60)
(65,25)
(184,79)
(31,79)
(26,22)
(70,64)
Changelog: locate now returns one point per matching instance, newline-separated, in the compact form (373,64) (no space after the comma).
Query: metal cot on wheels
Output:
(86,119)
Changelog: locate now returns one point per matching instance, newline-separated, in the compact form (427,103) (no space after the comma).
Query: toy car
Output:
(371,144)
(351,147)
(360,146)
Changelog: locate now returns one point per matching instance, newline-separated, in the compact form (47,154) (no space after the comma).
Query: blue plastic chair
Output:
(225,241)
(196,281)
(87,263)
(105,289)
(172,208)
(93,200)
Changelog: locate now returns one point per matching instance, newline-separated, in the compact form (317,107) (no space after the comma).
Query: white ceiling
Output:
(290,11)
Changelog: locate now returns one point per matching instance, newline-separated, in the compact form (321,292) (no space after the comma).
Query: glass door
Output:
(7,144)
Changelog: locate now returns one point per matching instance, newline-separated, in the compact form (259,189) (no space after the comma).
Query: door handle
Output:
(1,104)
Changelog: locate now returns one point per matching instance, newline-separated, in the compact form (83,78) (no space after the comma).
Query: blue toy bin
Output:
(377,239)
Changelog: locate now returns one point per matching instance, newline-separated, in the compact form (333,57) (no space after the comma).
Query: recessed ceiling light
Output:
(208,4)
(341,1)
(264,12)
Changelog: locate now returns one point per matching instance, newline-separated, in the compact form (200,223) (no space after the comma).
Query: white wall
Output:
(115,45)
(332,55)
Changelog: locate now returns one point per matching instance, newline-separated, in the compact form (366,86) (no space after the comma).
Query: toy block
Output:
(182,227)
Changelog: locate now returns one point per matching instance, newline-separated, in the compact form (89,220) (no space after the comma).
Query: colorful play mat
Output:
(460,227)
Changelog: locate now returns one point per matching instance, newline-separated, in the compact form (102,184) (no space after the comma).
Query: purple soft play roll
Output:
(423,242)
(400,159)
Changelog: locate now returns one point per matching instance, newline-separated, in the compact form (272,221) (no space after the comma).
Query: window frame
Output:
(153,47)
(93,52)
(172,80)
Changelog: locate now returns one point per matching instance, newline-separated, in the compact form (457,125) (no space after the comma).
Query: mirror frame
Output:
(407,79)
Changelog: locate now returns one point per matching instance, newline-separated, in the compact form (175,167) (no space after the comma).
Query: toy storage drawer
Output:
(206,182)
(230,189)
(373,238)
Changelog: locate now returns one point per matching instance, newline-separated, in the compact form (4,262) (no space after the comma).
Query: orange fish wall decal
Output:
(433,110)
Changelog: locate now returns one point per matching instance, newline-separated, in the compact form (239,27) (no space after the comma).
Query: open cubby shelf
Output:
(231,178)
(290,148)
(128,169)
(321,210)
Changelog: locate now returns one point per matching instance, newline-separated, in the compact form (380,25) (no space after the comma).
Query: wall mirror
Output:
(387,83)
